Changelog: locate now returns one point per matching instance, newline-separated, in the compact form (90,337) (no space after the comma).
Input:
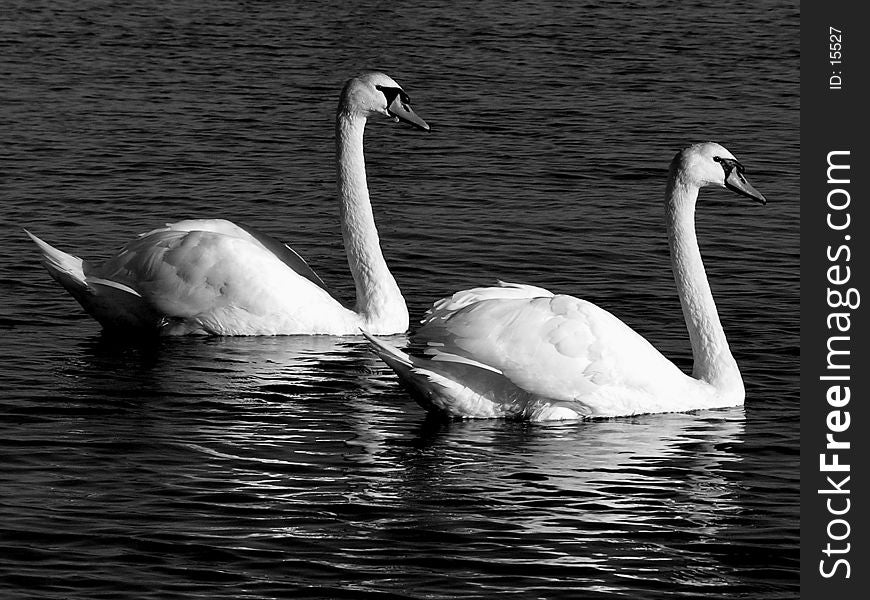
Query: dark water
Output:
(295,467)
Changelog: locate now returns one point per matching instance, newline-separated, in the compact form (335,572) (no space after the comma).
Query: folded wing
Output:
(551,346)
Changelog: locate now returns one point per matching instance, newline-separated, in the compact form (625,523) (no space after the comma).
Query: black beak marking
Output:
(391,93)
(728,165)
(733,166)
(399,106)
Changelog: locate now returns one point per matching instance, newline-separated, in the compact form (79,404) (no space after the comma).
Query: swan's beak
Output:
(403,112)
(737,182)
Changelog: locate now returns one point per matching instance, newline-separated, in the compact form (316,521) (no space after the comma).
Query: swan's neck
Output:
(713,360)
(378,298)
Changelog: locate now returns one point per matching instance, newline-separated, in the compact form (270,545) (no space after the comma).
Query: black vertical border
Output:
(833,120)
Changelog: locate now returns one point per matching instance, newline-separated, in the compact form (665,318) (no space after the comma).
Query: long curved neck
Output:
(714,362)
(378,298)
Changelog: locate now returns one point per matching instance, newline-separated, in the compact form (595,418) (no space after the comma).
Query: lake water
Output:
(296,467)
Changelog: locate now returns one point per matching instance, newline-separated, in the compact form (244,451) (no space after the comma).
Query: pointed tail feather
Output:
(432,391)
(115,305)
(397,360)
(65,268)
(416,380)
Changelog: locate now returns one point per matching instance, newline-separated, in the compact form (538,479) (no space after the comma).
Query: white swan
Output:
(217,277)
(523,352)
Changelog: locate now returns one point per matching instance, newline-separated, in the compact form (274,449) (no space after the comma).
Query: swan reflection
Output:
(316,420)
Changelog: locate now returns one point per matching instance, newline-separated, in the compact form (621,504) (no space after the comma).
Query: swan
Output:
(519,351)
(212,276)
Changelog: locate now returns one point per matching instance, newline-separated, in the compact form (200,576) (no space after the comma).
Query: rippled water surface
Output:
(296,467)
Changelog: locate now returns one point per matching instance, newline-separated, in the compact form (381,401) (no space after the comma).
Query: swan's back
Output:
(555,347)
(219,283)
(224,227)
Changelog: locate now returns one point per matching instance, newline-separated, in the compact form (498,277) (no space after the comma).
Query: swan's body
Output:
(217,277)
(518,351)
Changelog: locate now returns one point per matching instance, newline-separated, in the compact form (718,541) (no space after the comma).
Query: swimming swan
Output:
(218,277)
(519,351)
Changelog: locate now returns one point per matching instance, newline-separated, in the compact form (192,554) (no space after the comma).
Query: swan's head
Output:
(376,93)
(712,164)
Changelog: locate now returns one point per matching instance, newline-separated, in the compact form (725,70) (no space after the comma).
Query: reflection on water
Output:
(305,448)
(226,455)
(220,457)
(620,471)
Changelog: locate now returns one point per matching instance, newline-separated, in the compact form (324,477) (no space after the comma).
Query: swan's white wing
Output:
(554,347)
(281,250)
(447,306)
(229,284)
